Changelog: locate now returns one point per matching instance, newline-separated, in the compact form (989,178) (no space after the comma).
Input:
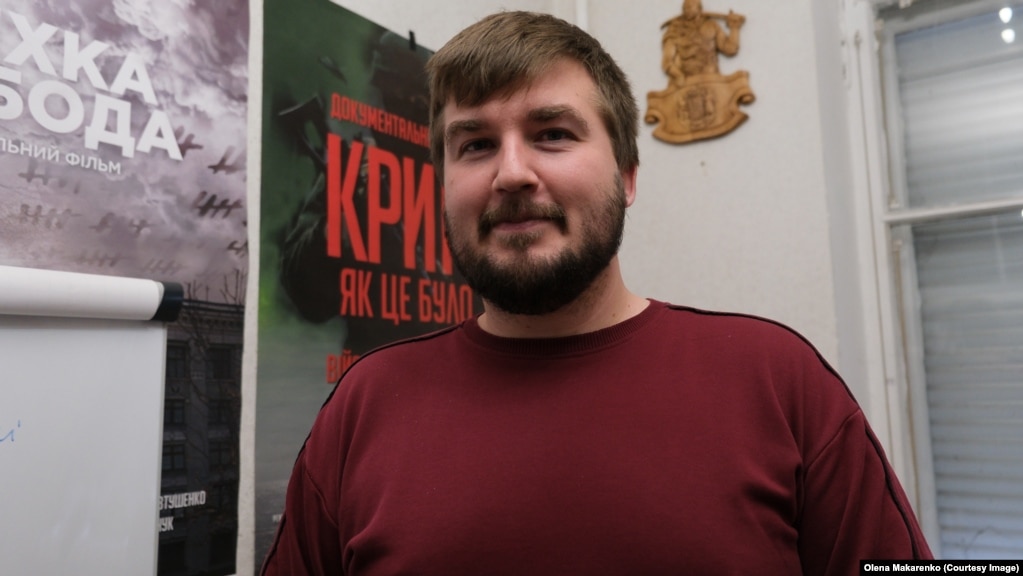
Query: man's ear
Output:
(629,180)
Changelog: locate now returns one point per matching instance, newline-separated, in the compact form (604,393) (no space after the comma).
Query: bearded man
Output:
(576,427)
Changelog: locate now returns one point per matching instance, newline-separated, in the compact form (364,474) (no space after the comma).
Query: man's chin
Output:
(533,308)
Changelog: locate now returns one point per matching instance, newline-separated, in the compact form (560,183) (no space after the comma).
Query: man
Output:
(575,427)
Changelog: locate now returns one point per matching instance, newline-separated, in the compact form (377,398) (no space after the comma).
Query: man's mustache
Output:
(520,211)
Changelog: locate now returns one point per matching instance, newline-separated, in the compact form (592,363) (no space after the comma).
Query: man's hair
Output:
(506,51)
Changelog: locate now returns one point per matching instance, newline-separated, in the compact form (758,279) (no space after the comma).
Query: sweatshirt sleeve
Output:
(307,541)
(854,507)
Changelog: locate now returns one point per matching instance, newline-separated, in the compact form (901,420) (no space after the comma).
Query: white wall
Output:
(739,222)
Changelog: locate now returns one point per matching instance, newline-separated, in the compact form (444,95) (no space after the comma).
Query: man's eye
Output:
(475,146)
(555,134)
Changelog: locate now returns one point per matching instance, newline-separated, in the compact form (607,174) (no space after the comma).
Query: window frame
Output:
(884,222)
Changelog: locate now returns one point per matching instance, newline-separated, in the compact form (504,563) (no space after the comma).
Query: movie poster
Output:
(122,152)
(352,251)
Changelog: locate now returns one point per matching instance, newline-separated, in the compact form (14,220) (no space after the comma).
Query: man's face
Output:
(534,200)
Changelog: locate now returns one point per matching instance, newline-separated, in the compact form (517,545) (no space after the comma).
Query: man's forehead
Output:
(564,87)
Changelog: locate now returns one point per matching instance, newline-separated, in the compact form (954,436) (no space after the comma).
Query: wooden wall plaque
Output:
(699,101)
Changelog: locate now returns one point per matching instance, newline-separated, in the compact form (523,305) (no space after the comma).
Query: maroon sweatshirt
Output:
(676,442)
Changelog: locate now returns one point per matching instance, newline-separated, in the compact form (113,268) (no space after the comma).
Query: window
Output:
(223,497)
(953,76)
(221,454)
(222,412)
(173,458)
(174,413)
(220,363)
(177,360)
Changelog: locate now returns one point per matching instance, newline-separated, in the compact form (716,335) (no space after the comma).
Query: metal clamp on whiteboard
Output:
(33,292)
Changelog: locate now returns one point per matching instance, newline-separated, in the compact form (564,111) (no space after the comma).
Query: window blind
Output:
(960,99)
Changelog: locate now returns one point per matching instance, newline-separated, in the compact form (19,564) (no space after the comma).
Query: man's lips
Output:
(512,218)
(520,225)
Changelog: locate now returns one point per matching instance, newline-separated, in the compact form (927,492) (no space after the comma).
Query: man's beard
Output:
(532,286)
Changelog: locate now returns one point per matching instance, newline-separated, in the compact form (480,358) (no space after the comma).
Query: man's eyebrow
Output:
(456,127)
(548,113)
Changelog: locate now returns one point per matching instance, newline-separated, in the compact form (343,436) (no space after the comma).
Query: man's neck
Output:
(605,303)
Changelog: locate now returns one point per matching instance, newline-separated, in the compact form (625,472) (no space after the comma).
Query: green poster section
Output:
(340,93)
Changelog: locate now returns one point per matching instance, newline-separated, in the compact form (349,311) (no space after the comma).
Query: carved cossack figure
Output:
(699,101)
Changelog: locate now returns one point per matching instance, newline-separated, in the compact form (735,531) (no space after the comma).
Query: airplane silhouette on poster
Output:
(226,165)
(188,143)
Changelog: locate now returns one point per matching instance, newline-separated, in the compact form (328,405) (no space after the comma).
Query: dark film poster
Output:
(122,152)
(352,251)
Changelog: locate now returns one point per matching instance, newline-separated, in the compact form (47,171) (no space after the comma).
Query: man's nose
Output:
(515,171)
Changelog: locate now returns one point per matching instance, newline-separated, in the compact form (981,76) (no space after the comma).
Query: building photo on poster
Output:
(123,150)
(352,249)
